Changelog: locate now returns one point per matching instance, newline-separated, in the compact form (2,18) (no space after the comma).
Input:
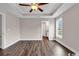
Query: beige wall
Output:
(71,28)
(0,31)
(12,29)
(30,29)
(11,25)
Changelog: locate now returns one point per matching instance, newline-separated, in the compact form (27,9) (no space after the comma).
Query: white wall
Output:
(11,27)
(71,28)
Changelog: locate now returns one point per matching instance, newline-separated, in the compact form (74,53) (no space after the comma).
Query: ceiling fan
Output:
(34,6)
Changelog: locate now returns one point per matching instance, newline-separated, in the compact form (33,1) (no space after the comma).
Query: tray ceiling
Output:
(50,10)
(24,10)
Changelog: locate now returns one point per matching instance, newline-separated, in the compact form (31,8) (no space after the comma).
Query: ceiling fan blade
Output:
(42,3)
(24,4)
(40,9)
(31,10)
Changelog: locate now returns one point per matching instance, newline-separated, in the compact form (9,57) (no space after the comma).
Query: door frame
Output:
(3,29)
(42,29)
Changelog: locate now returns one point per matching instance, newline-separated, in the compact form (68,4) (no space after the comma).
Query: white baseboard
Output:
(31,39)
(75,51)
(6,46)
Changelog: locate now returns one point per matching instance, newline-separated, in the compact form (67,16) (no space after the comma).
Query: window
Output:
(59,28)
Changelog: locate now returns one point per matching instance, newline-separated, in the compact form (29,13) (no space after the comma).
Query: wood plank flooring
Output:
(36,48)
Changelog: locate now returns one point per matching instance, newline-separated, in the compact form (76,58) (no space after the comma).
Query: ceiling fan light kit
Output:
(34,6)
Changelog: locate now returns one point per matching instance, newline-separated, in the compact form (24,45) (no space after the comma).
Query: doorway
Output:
(45,30)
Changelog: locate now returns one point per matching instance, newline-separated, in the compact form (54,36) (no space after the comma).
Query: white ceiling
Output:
(50,10)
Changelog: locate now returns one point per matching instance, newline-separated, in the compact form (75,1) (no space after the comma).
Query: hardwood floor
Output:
(36,48)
